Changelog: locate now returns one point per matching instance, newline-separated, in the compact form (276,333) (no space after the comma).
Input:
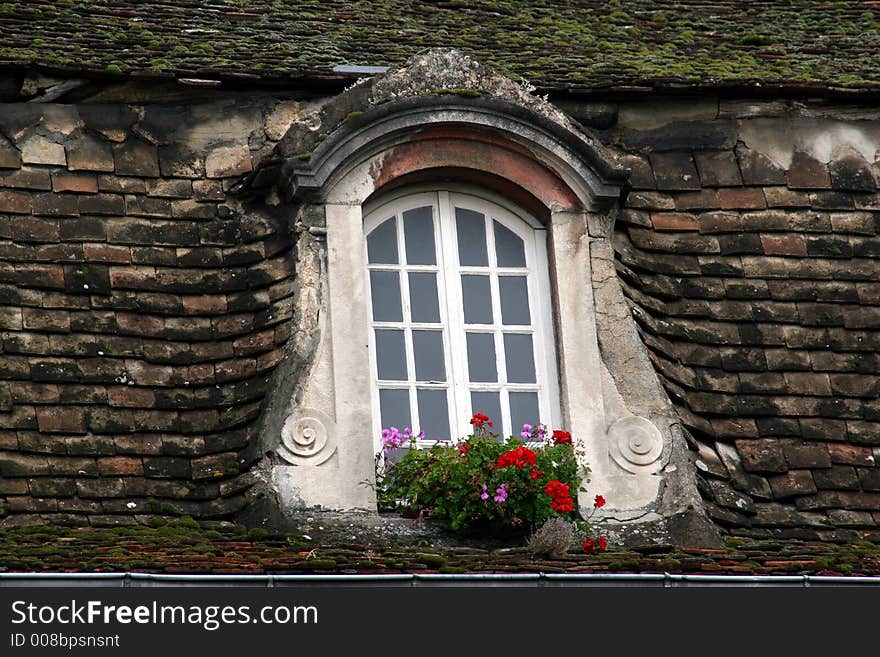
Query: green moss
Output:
(258,534)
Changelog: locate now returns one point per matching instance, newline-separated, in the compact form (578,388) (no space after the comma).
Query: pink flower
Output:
(485,494)
(500,493)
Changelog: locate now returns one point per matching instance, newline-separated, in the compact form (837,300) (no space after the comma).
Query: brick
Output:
(212,190)
(670,221)
(254,343)
(61,419)
(850,171)
(26,179)
(99,488)
(192,209)
(134,157)
(139,324)
(645,200)
(805,172)
(863,432)
(141,444)
(851,455)
(758,169)
(52,487)
(167,467)
(761,455)
(205,304)
(869,479)
(35,229)
(10,158)
(40,319)
(41,150)
(641,176)
(784,245)
(13,464)
(56,204)
(15,202)
(808,383)
(87,153)
(120,465)
(838,477)
(859,500)
(107,253)
(705,199)
(792,483)
(71,182)
(145,206)
(718,168)
(228,161)
(805,455)
(783,197)
(170,187)
(857,223)
(130,396)
(740,244)
(151,232)
(742,198)
(215,466)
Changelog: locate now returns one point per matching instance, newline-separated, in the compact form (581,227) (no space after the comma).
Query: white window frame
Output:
(534,234)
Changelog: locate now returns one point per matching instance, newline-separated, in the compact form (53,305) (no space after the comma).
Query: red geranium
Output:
(561,502)
(479,420)
(536,474)
(561,437)
(520,457)
(588,545)
(603,543)
(600,502)
(463,448)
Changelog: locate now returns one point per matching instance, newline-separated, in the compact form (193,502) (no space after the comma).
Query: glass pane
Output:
(382,243)
(477,295)
(418,232)
(514,291)
(509,248)
(428,351)
(481,357)
(433,414)
(523,410)
(391,355)
(385,293)
(488,403)
(471,227)
(423,297)
(394,408)
(519,358)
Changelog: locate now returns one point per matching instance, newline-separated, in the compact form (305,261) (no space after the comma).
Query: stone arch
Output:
(444,115)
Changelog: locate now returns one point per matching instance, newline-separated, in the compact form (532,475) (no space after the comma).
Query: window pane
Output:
(514,292)
(488,403)
(519,358)
(433,414)
(471,227)
(385,293)
(428,351)
(382,243)
(394,408)
(477,295)
(418,231)
(481,357)
(423,297)
(391,355)
(509,248)
(523,410)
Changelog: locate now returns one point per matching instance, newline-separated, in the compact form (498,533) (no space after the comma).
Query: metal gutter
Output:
(533,580)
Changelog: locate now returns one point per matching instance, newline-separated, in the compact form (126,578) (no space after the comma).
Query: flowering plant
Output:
(483,483)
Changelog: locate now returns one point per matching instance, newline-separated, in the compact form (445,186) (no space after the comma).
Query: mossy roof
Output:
(181,546)
(575,45)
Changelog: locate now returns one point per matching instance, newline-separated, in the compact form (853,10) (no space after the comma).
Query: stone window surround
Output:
(622,418)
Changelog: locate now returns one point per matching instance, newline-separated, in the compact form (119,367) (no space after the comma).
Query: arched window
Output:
(460,314)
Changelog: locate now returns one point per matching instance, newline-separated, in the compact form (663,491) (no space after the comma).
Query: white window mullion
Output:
(455,343)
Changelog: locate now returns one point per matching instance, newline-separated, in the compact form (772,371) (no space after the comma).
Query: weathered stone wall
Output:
(749,252)
(142,308)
